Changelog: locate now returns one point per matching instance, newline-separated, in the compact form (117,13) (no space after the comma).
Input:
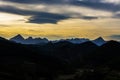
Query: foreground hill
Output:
(18,62)
(107,54)
(59,61)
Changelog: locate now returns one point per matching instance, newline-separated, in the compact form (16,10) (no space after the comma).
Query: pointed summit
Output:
(18,38)
(99,41)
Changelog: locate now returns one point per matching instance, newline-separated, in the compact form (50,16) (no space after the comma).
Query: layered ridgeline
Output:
(19,39)
(82,59)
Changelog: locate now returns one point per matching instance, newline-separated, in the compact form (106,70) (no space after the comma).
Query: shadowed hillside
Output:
(59,61)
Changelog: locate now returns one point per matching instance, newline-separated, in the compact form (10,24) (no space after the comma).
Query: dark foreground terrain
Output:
(59,61)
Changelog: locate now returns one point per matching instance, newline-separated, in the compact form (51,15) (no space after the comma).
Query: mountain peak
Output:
(100,38)
(18,37)
(99,41)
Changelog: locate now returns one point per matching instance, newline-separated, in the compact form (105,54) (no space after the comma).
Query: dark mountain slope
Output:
(108,55)
(33,62)
(65,50)
(18,62)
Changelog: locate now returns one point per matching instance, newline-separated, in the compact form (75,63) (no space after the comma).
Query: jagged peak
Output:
(18,37)
(99,38)
(99,41)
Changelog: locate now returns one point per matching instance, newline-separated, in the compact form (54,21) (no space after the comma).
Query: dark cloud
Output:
(24,1)
(10,9)
(37,1)
(47,18)
(36,17)
(116,37)
(89,17)
(51,1)
(41,17)
(98,5)
(95,4)
(117,15)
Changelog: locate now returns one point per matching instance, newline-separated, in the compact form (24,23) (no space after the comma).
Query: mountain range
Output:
(19,39)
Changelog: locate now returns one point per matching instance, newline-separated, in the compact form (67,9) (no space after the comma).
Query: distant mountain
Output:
(19,39)
(77,40)
(40,41)
(99,41)
(74,40)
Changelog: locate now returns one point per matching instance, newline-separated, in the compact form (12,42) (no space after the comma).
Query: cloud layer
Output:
(53,11)
(115,37)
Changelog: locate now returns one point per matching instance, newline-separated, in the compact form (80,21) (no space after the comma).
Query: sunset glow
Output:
(57,20)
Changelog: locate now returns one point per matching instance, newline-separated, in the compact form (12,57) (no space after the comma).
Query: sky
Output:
(60,19)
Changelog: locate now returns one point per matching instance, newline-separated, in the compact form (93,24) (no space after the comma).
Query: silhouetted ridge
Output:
(5,41)
(110,48)
(1,38)
(107,54)
(87,47)
(62,43)
(111,43)
(88,43)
